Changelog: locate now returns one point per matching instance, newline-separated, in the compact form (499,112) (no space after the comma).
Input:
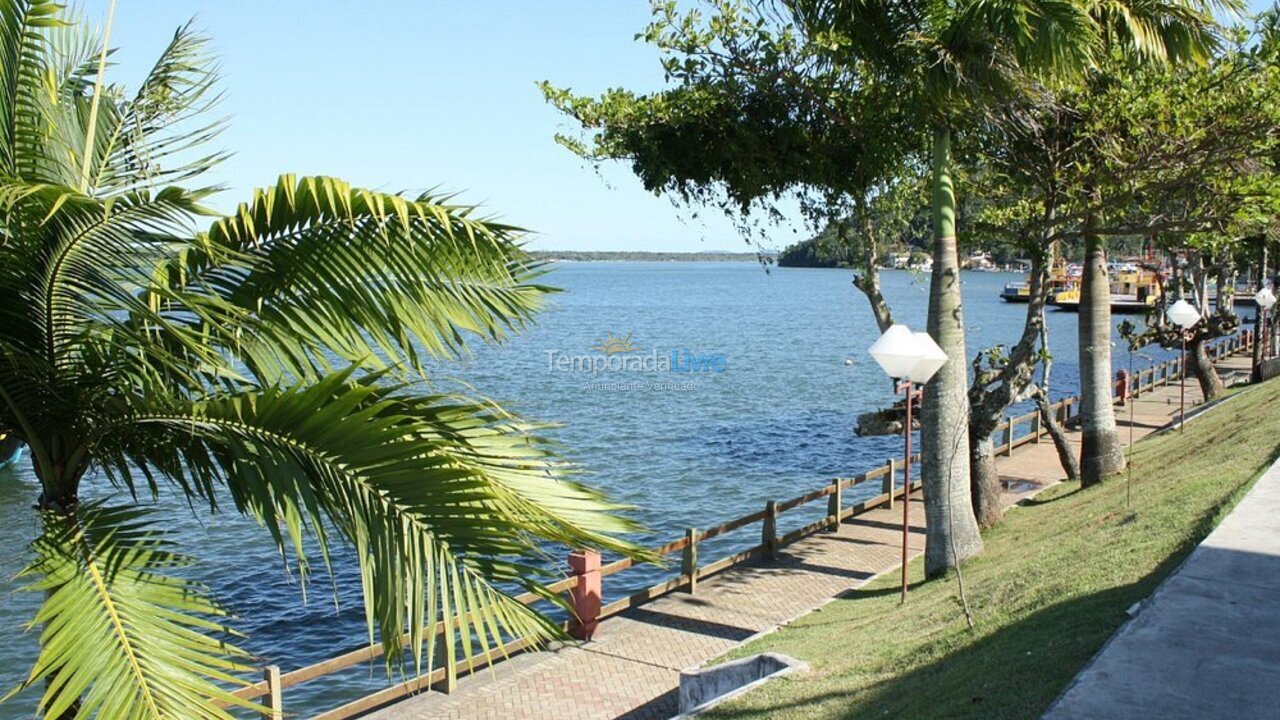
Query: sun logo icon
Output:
(612,344)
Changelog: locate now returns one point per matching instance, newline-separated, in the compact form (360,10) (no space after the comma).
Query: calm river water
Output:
(771,417)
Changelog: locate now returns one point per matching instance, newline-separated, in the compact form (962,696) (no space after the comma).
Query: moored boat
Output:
(1134,289)
(1062,278)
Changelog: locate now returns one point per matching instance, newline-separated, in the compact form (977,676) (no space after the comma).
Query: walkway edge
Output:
(1090,682)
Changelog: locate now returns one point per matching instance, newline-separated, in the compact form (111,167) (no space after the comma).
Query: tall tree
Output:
(871,79)
(1147,34)
(267,362)
(1183,156)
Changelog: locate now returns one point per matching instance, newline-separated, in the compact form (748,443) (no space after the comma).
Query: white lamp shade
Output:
(1265,298)
(1183,314)
(932,358)
(897,351)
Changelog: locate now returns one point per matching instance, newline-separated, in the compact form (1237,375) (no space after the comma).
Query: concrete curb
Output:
(1062,708)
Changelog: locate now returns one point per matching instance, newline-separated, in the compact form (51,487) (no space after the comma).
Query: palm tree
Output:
(954,60)
(268,362)
(1156,32)
(957,60)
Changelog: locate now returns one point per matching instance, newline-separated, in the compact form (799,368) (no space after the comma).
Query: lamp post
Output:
(1185,316)
(911,358)
(1133,401)
(1265,299)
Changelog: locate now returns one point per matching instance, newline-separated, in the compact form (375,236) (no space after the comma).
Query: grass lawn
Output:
(1053,584)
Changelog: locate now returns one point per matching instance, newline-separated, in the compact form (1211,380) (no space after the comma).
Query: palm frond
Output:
(1173,31)
(156,138)
(252,362)
(327,269)
(24,83)
(440,497)
(124,634)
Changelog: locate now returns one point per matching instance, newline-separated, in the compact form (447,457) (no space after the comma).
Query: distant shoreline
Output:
(625,255)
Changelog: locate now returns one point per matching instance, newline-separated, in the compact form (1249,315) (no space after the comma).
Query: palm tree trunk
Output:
(1101,452)
(952,531)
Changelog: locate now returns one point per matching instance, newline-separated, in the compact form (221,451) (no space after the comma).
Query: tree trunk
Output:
(869,281)
(994,389)
(1066,455)
(952,533)
(1258,328)
(1199,364)
(984,481)
(1101,450)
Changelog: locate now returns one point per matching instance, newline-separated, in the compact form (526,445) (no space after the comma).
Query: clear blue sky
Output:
(411,94)
(405,95)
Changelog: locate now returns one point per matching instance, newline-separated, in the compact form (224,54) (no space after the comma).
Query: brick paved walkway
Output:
(631,669)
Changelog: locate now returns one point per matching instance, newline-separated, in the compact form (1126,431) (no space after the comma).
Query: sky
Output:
(399,95)
(406,95)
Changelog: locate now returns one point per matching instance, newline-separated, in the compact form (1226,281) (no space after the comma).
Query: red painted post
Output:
(585,596)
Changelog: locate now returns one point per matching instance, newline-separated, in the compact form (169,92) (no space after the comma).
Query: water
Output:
(777,422)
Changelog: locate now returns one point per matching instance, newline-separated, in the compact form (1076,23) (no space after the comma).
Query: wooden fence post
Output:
(585,596)
(689,560)
(1036,430)
(835,503)
(274,697)
(1008,437)
(769,530)
(887,485)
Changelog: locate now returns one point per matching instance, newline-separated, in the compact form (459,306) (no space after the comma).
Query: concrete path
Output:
(631,669)
(1206,644)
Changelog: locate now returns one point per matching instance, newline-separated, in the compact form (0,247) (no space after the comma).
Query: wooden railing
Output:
(274,682)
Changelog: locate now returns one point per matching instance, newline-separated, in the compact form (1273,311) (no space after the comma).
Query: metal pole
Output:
(1128,482)
(1265,339)
(1182,385)
(906,494)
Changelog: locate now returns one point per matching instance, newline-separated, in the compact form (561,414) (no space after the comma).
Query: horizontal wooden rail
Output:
(692,571)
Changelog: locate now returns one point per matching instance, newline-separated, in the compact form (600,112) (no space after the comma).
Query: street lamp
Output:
(1185,316)
(911,358)
(1265,299)
(1133,402)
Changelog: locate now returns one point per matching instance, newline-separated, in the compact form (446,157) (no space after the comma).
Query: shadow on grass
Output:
(1016,672)
(1038,500)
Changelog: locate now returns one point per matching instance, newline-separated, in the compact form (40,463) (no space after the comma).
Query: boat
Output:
(1062,278)
(10,450)
(1134,289)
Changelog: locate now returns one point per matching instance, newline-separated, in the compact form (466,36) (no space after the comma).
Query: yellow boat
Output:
(1134,289)
(1062,278)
